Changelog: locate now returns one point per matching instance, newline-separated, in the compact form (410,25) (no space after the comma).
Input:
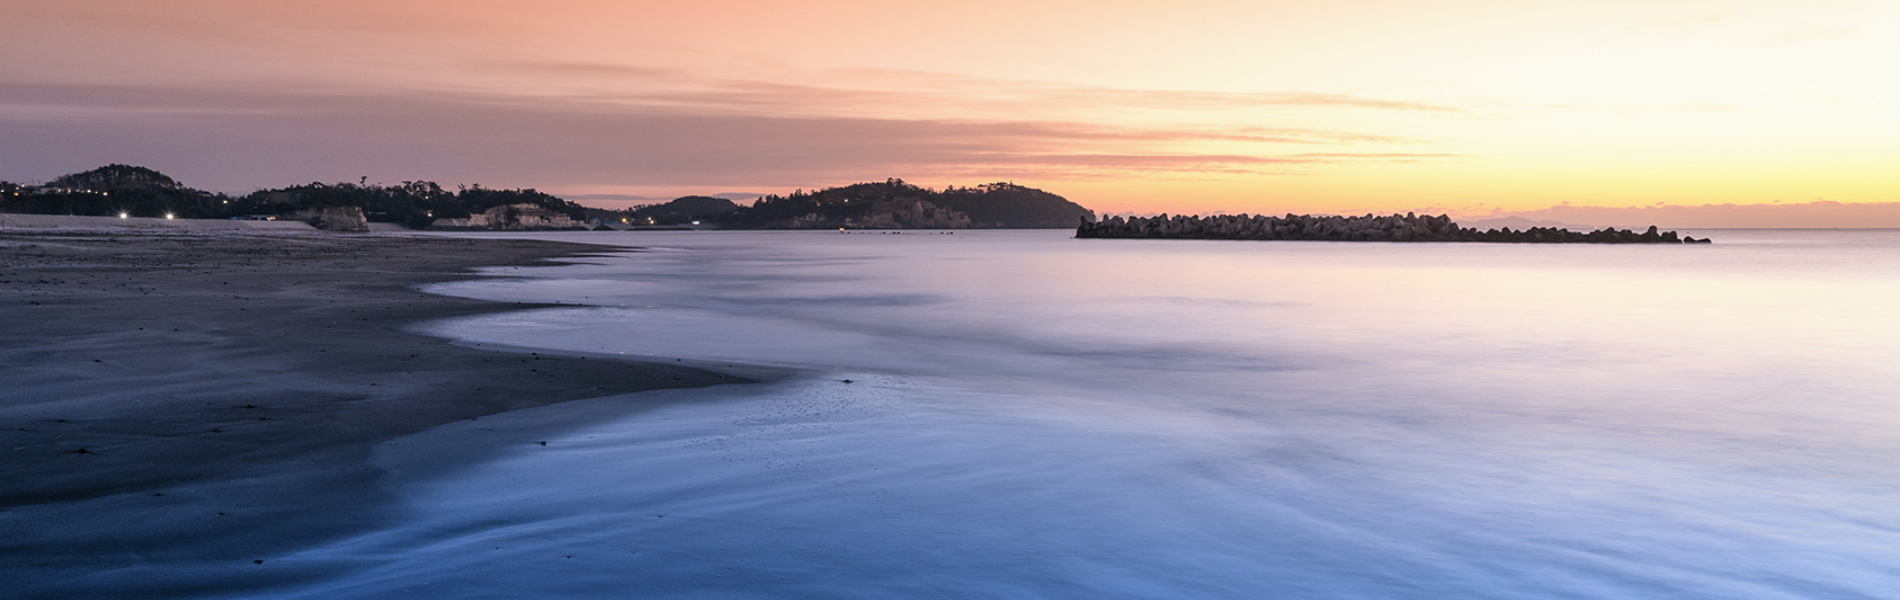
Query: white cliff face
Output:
(512,217)
(334,218)
(905,214)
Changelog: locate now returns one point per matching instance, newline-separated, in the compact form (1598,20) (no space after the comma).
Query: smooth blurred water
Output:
(1038,416)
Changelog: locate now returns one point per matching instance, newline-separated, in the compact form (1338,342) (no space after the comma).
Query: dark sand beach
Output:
(175,407)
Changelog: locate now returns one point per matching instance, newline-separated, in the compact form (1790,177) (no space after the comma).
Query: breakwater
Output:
(1369,228)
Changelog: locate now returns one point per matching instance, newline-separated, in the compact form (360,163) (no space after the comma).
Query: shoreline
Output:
(227,390)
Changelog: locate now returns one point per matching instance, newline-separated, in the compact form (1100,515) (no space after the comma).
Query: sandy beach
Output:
(179,406)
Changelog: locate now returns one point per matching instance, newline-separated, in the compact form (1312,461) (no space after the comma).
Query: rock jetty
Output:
(1369,228)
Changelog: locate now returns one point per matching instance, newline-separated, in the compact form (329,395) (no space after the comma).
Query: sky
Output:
(1341,106)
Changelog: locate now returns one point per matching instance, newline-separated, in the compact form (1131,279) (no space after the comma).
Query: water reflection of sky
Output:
(1307,419)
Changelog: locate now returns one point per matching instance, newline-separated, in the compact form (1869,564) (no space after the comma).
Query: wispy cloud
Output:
(1376,156)
(1816,33)
(256,138)
(913,94)
(1797,215)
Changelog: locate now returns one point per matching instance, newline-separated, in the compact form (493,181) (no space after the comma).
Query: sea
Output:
(1022,414)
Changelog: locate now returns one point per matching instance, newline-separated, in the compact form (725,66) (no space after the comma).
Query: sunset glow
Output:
(1289,106)
(1203,299)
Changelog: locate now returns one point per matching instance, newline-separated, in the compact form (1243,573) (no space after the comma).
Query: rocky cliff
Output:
(333,218)
(512,217)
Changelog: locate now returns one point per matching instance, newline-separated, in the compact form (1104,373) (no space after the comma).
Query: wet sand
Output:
(175,407)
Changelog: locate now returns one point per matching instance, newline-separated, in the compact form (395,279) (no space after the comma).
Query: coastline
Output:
(227,390)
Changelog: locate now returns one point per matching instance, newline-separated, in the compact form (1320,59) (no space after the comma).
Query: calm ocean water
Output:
(1035,416)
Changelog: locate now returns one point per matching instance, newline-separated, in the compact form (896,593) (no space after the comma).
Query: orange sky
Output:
(1338,106)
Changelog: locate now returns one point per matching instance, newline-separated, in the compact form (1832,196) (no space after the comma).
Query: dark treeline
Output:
(685,209)
(1368,228)
(414,204)
(140,192)
(112,190)
(993,205)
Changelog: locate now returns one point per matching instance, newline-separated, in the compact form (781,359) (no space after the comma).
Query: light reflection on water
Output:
(1041,416)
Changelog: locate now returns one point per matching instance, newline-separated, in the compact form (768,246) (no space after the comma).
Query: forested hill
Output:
(892,204)
(140,192)
(112,190)
(896,204)
(415,204)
